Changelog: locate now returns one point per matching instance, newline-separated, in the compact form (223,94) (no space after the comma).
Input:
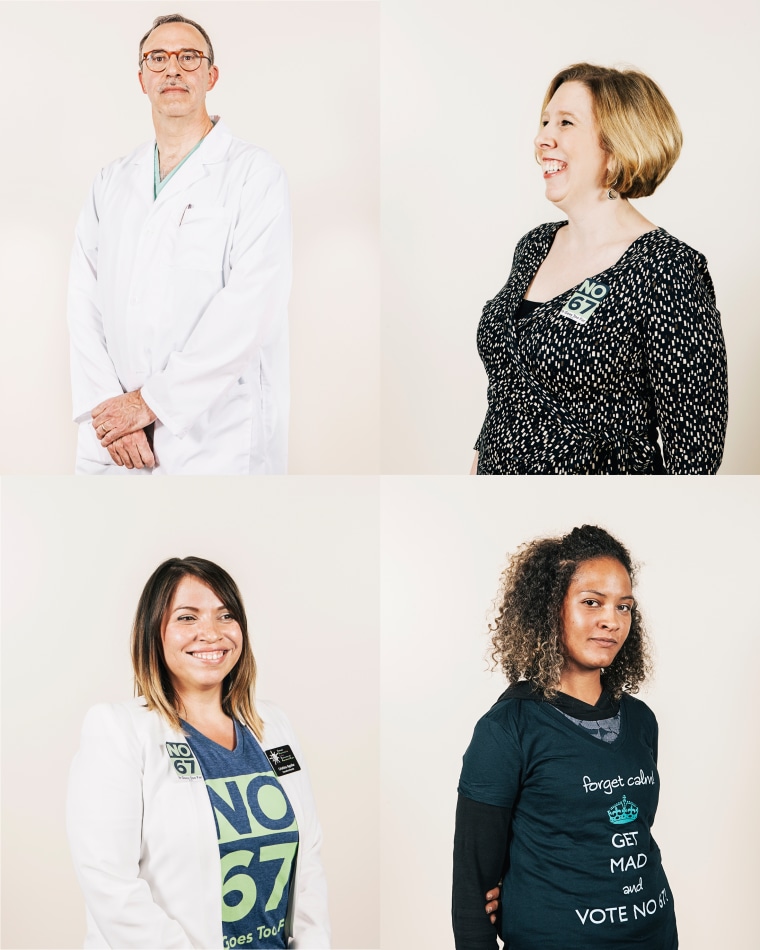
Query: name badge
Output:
(282,760)
(184,762)
(585,301)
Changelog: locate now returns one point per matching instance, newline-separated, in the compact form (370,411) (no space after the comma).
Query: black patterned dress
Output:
(581,384)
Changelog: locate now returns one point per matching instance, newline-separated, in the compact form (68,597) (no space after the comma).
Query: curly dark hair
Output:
(527,631)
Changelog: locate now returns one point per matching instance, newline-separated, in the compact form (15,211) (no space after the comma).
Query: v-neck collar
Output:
(561,721)
(218,745)
(599,276)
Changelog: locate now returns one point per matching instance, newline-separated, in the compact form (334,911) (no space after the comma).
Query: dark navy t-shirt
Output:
(257,834)
(584,870)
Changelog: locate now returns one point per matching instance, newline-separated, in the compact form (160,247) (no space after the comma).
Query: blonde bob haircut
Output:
(637,125)
(152,679)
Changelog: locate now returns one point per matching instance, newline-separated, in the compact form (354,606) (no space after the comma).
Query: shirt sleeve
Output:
(488,787)
(491,767)
(104,823)
(686,361)
(480,853)
(249,312)
(93,375)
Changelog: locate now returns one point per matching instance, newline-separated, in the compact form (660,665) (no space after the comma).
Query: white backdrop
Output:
(75,556)
(300,79)
(462,89)
(444,544)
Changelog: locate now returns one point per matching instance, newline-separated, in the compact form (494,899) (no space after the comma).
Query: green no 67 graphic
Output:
(585,300)
(245,886)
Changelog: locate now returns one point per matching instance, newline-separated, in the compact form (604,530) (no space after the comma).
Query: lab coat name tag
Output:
(584,301)
(184,762)
(282,760)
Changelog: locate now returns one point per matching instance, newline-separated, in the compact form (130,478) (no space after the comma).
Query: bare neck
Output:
(201,707)
(600,222)
(178,135)
(584,685)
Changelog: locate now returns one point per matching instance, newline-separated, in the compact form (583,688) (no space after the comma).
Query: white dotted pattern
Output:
(587,399)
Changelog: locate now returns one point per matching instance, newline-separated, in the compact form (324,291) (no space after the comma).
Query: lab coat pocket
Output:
(203,238)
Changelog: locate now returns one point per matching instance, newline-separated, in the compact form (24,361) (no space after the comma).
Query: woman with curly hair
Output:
(559,786)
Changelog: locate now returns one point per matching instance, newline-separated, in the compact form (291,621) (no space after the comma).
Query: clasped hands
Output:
(120,424)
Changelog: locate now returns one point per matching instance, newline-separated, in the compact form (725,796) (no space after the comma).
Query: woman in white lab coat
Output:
(188,805)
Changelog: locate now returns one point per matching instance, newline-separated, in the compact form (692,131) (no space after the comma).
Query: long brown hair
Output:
(152,679)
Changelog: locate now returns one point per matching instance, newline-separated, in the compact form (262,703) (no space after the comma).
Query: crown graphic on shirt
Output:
(622,812)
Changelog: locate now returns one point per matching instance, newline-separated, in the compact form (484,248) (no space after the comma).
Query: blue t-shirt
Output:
(584,870)
(257,834)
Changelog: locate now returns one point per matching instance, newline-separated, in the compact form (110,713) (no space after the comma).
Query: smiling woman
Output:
(564,757)
(604,350)
(200,778)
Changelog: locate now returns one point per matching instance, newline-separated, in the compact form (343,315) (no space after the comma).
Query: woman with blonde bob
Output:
(190,815)
(559,786)
(606,336)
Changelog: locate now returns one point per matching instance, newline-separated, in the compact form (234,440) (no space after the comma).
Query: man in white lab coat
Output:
(178,291)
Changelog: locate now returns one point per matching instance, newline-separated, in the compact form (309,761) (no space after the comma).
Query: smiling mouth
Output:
(210,655)
(553,167)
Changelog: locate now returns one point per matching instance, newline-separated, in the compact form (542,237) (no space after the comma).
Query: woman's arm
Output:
(488,788)
(480,849)
(310,924)
(104,822)
(686,363)
(474,466)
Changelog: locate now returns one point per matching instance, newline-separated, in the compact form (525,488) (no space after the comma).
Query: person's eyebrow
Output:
(600,594)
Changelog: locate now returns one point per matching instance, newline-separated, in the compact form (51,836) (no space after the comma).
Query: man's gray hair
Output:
(178,18)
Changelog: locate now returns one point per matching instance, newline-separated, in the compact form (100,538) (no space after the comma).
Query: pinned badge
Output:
(585,300)
(184,762)
(282,760)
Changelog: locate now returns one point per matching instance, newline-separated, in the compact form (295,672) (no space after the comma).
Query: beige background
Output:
(76,554)
(444,544)
(300,79)
(462,89)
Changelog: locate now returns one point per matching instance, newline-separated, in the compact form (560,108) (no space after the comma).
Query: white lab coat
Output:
(185,298)
(144,841)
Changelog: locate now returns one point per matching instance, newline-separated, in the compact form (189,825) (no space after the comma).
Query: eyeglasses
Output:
(188,59)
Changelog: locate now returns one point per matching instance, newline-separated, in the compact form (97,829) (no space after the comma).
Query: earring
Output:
(612,194)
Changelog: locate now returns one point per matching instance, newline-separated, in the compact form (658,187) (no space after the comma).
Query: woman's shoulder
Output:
(271,713)
(638,708)
(131,715)
(514,702)
(543,234)
(277,726)
(121,711)
(663,248)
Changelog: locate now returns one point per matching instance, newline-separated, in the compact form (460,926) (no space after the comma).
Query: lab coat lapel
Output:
(142,181)
(210,151)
